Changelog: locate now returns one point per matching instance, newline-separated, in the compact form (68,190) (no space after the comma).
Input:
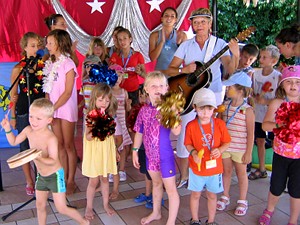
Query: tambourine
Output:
(23,157)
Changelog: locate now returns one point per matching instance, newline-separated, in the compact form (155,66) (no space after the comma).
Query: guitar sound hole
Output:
(191,80)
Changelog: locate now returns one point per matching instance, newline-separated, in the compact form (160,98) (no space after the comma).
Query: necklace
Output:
(50,72)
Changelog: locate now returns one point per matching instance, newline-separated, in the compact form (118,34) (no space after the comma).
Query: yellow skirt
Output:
(99,157)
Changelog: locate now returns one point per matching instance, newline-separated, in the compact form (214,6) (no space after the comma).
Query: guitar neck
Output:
(202,69)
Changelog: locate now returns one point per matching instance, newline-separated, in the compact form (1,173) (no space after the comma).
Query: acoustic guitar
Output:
(201,77)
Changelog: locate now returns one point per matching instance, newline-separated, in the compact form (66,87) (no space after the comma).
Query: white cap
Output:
(203,97)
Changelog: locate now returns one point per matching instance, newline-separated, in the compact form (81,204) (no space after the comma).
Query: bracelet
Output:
(8,132)
(12,117)
(192,151)
(135,149)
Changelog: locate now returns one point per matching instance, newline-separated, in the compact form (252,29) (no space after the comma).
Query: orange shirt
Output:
(194,137)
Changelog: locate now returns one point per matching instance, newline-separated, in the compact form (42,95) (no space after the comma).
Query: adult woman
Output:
(164,43)
(288,41)
(115,48)
(201,48)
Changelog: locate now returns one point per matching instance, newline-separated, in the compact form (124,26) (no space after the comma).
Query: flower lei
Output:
(38,72)
(102,125)
(288,117)
(50,72)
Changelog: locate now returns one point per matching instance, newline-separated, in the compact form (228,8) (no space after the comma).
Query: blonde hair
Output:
(102,90)
(44,104)
(280,92)
(26,37)
(97,42)
(155,75)
(247,92)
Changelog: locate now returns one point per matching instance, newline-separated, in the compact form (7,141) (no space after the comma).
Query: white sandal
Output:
(242,208)
(222,203)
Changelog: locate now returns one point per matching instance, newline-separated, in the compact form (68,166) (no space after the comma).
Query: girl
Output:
(132,63)
(59,84)
(115,48)
(164,43)
(19,112)
(286,158)
(123,106)
(99,157)
(157,143)
(239,118)
(98,48)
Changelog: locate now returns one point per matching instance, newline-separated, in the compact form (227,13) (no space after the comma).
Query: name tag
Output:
(125,75)
(211,164)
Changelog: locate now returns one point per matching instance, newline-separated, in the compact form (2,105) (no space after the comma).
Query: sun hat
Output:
(290,72)
(201,12)
(240,78)
(203,97)
(92,58)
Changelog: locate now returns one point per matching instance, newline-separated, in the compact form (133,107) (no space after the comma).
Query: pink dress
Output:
(68,111)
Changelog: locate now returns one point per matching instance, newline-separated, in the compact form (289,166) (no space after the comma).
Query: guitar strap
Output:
(210,48)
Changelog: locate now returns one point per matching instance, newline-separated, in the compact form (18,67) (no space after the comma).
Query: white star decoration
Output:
(96,6)
(155,4)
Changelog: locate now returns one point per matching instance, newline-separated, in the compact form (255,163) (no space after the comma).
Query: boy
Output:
(269,57)
(249,54)
(208,134)
(50,175)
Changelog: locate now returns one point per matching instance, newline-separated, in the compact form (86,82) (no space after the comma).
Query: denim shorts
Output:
(22,122)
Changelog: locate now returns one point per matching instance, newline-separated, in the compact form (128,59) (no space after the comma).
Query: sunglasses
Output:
(86,66)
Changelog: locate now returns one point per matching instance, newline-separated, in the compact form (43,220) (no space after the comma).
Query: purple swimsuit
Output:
(156,139)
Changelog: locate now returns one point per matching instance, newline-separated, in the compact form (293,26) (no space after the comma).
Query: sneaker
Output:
(143,198)
(182,183)
(149,204)
(110,178)
(123,176)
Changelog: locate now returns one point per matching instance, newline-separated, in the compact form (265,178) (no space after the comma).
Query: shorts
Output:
(213,184)
(235,156)
(260,133)
(54,182)
(142,162)
(22,122)
(285,172)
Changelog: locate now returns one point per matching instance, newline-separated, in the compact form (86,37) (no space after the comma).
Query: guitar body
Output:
(188,84)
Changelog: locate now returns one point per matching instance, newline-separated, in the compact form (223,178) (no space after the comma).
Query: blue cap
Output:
(240,78)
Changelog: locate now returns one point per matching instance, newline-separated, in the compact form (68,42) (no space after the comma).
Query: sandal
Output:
(222,203)
(29,190)
(265,218)
(195,222)
(257,174)
(242,208)
(211,223)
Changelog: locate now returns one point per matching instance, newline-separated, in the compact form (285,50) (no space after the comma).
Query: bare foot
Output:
(85,222)
(71,187)
(89,214)
(114,195)
(150,218)
(109,210)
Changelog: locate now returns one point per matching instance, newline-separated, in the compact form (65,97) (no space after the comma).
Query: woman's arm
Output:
(231,63)
(154,47)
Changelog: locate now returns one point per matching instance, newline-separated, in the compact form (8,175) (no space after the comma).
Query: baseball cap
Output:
(201,12)
(290,72)
(92,58)
(240,78)
(203,97)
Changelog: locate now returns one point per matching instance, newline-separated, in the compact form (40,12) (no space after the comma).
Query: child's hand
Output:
(128,104)
(135,159)
(215,153)
(176,130)
(195,157)
(247,158)
(138,69)
(5,123)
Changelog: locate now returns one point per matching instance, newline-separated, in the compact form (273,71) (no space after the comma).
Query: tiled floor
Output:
(127,211)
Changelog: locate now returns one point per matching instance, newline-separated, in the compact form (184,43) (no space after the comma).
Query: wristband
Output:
(12,117)
(8,132)
(192,151)
(135,149)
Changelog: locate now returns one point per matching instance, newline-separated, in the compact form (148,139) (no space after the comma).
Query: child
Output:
(19,112)
(99,157)
(160,158)
(98,48)
(249,54)
(239,118)
(269,57)
(115,47)
(132,63)
(50,175)
(59,84)
(286,159)
(205,170)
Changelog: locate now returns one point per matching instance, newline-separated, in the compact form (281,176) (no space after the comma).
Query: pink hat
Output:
(290,72)
(116,67)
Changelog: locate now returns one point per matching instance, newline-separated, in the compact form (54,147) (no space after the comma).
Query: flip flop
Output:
(29,190)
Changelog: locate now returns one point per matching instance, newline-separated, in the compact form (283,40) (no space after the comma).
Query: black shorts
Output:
(260,133)
(22,122)
(142,161)
(285,171)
